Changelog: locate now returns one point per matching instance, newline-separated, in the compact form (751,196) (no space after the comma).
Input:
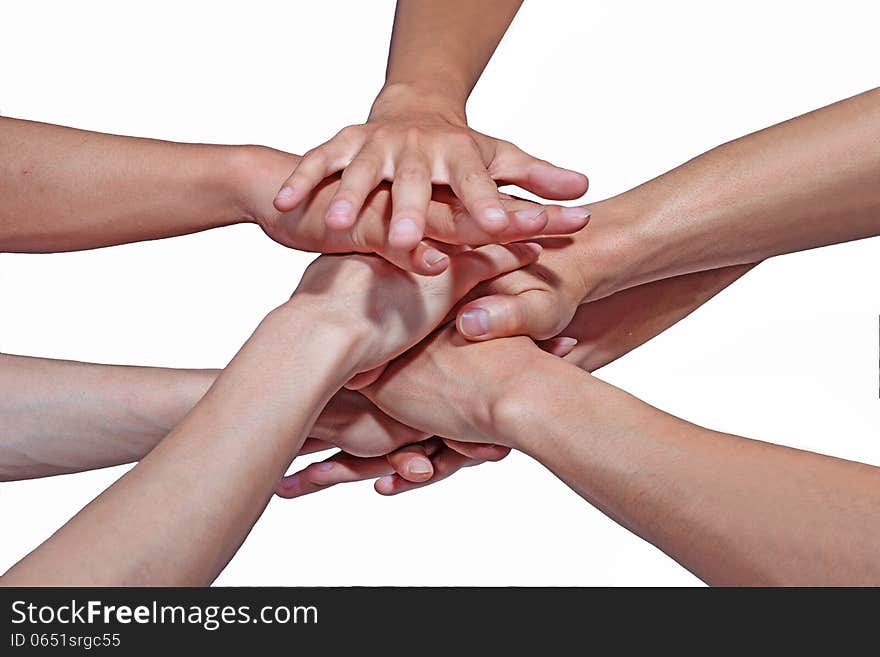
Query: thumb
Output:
(515,166)
(506,315)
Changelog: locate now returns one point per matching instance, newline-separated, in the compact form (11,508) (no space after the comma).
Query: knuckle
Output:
(349,132)
(473,177)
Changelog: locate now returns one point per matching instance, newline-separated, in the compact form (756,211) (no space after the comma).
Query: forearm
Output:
(179,515)
(441,48)
(63,189)
(64,416)
(808,182)
(731,510)
(611,327)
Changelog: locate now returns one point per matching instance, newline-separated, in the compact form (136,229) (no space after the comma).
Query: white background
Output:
(620,90)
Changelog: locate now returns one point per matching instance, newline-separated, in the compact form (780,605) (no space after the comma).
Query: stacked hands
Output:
(443,325)
(444,290)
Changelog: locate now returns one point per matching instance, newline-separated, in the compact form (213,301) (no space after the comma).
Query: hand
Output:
(382,310)
(447,218)
(407,468)
(600,332)
(538,301)
(541,300)
(414,143)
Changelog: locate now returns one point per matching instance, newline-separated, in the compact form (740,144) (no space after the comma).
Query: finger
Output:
(446,462)
(557,220)
(425,259)
(472,183)
(505,315)
(410,195)
(471,267)
(339,468)
(411,463)
(513,165)
(478,451)
(359,179)
(314,166)
(561,346)
(452,225)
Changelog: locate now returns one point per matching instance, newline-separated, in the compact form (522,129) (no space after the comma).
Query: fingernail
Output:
(566,342)
(385,482)
(419,467)
(325,467)
(284,193)
(495,216)
(581,212)
(475,322)
(432,257)
(340,208)
(404,230)
(529,215)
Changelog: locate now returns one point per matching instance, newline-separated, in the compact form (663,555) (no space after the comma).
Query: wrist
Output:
(613,252)
(530,417)
(253,175)
(343,344)
(520,404)
(397,98)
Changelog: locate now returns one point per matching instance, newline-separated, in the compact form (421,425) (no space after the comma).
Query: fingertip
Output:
(404,233)
(385,485)
(473,323)
(288,487)
(428,261)
(285,199)
(530,251)
(341,215)
(493,220)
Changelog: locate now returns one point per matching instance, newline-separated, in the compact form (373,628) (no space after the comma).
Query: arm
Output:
(181,513)
(731,510)
(600,332)
(441,48)
(198,493)
(63,416)
(611,327)
(417,132)
(63,189)
(805,183)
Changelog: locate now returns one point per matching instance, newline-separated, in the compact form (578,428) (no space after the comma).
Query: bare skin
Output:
(417,132)
(229,451)
(64,189)
(802,184)
(731,510)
